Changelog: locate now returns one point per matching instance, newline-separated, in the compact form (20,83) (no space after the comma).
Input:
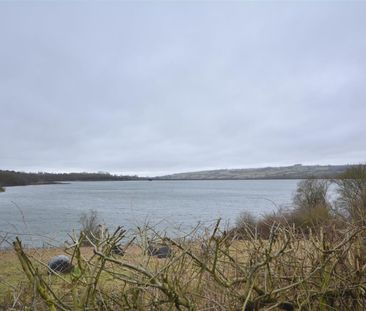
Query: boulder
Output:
(60,264)
(160,251)
(118,250)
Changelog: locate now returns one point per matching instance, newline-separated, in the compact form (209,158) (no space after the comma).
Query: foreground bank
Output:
(287,271)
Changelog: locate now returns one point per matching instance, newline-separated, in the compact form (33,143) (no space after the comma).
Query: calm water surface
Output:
(46,213)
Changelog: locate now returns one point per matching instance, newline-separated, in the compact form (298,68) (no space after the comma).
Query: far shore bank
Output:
(297,171)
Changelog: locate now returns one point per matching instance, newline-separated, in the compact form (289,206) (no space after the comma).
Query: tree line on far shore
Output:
(13,178)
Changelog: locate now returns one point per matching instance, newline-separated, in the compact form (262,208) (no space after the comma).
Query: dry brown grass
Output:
(288,271)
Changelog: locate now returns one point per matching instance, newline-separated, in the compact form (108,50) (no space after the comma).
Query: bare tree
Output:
(311,193)
(352,193)
(91,226)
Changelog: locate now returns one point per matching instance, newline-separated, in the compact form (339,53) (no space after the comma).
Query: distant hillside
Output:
(13,178)
(285,172)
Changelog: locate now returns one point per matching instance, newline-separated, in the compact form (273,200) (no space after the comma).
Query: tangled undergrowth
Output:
(286,271)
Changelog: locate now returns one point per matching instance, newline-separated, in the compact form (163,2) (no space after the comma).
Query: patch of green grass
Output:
(11,275)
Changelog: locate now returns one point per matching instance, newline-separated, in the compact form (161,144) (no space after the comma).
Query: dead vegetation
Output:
(284,272)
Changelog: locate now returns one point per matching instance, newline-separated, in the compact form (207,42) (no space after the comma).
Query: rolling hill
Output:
(297,171)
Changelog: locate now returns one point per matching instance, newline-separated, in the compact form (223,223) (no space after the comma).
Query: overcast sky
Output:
(158,87)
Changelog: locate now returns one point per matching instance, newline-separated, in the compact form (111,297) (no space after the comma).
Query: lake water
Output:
(45,214)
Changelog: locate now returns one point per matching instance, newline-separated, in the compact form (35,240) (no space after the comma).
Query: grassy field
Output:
(14,282)
(12,277)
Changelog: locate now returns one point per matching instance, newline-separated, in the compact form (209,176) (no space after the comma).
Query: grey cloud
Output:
(157,87)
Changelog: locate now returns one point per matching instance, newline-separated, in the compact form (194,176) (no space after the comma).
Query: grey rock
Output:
(118,250)
(61,264)
(160,251)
